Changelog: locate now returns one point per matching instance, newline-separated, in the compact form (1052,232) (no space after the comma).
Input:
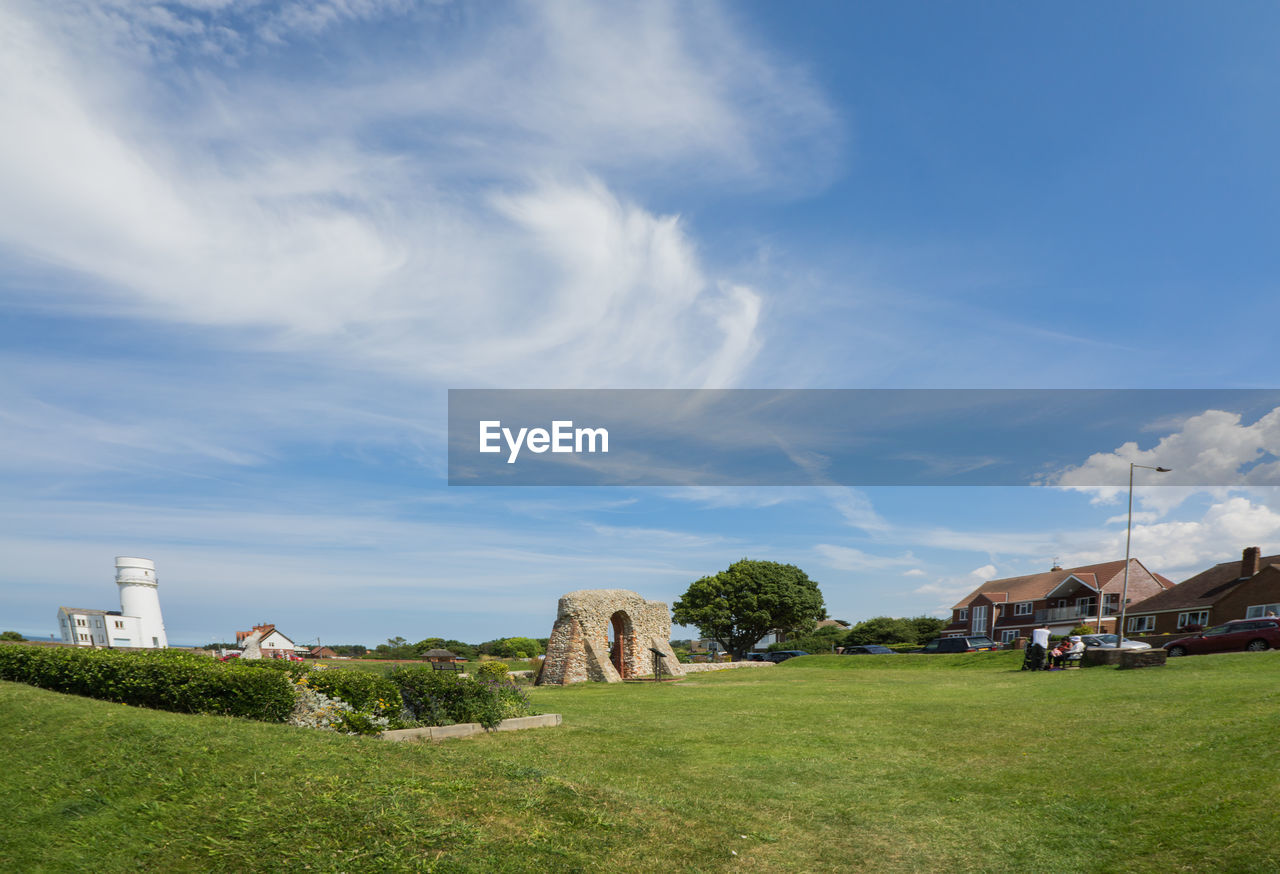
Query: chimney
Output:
(1251,562)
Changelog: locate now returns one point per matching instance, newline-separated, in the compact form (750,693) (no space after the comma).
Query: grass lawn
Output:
(873,763)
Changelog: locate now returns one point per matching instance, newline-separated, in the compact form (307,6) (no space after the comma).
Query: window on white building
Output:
(1139,624)
(1197,617)
(81,623)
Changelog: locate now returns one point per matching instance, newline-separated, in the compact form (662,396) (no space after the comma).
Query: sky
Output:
(247,247)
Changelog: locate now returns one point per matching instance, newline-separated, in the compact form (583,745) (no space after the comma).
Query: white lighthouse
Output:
(136,578)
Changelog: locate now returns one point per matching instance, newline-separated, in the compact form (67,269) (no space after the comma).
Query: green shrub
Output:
(163,679)
(437,698)
(363,690)
(496,671)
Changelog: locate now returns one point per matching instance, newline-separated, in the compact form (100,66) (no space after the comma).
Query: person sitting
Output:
(1069,650)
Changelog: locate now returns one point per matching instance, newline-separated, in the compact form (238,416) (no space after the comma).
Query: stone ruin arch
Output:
(579,650)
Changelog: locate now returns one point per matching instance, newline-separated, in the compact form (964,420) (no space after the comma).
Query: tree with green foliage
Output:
(743,603)
(11,635)
(882,630)
(516,648)
(927,628)
(820,640)
(887,630)
(457,647)
(395,648)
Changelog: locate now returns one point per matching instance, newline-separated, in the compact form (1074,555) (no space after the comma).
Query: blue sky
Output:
(246,248)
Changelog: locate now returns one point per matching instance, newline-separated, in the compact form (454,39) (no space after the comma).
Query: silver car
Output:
(1108,641)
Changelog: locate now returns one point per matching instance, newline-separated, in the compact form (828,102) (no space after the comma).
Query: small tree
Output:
(11,635)
(743,603)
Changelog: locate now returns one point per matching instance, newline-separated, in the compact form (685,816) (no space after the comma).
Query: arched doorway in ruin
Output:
(622,643)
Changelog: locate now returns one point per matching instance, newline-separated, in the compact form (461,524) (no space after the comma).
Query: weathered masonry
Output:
(580,650)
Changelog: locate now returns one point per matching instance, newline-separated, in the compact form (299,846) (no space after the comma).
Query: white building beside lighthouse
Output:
(137,623)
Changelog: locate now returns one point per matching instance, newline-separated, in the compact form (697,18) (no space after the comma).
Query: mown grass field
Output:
(866,763)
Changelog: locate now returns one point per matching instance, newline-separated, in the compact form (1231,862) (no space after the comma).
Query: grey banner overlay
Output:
(859,437)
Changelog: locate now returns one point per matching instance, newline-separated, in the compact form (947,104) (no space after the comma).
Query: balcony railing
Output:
(1059,614)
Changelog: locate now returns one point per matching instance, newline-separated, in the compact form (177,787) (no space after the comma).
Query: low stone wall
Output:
(466,729)
(1123,658)
(1143,658)
(724,666)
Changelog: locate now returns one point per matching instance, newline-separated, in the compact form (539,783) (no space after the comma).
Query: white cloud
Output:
(914,572)
(1207,452)
(496,250)
(1181,548)
(984,573)
(846,558)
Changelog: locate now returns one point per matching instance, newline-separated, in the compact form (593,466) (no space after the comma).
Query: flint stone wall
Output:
(578,650)
(699,667)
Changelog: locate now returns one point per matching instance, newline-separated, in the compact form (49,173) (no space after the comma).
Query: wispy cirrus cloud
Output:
(456,215)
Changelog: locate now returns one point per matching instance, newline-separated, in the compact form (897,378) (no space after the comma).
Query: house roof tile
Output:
(1035,586)
(1202,590)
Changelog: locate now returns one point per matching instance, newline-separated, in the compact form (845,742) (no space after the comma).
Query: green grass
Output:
(890,763)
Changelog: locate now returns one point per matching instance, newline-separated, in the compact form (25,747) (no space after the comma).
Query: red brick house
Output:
(1245,589)
(1060,598)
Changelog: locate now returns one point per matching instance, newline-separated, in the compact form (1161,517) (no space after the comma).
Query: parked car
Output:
(757,657)
(783,655)
(1237,635)
(960,644)
(868,649)
(1109,642)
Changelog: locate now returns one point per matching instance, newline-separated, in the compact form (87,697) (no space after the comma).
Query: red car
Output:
(1253,635)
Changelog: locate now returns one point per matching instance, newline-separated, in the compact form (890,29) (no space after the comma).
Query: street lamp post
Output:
(1128,538)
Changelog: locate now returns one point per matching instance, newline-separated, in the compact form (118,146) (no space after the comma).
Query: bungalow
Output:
(1060,598)
(1247,589)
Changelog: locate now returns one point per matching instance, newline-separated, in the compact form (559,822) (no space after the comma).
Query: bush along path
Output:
(269,690)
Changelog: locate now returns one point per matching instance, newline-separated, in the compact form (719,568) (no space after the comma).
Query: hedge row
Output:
(187,683)
(435,698)
(161,679)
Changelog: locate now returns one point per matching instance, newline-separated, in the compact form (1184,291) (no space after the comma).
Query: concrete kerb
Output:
(466,729)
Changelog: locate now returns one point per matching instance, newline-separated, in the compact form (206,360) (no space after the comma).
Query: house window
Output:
(1111,603)
(1260,610)
(1022,608)
(81,623)
(119,624)
(980,618)
(1139,624)
(1086,606)
(962,615)
(84,636)
(1197,617)
(1008,635)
